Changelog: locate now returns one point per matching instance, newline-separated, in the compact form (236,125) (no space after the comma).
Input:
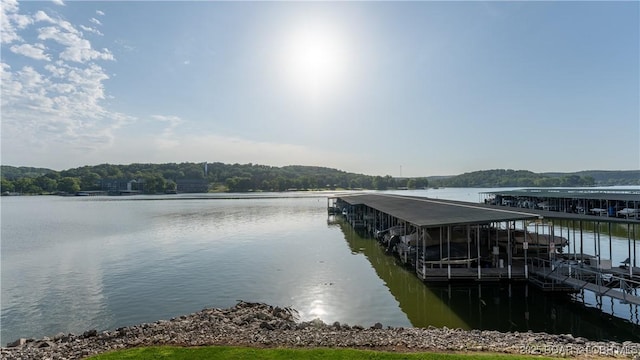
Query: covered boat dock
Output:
(622,203)
(446,240)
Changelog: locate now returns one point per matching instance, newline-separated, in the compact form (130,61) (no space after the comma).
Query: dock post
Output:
(509,249)
(478,246)
(525,247)
(449,252)
(629,235)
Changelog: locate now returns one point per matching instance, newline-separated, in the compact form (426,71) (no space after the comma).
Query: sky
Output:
(380,88)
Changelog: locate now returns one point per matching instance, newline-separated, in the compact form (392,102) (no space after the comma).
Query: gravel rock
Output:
(262,325)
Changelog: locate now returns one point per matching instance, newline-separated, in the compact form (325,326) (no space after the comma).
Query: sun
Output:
(315,60)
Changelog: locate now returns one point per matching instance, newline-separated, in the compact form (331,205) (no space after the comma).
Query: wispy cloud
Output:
(95,21)
(91,30)
(57,102)
(99,12)
(167,139)
(58,2)
(12,21)
(77,48)
(35,51)
(64,33)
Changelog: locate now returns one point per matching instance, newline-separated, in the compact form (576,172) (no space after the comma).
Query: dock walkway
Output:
(625,289)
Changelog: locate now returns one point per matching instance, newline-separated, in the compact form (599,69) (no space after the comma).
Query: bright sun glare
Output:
(315,60)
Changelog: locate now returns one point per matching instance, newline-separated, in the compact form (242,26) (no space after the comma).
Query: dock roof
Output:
(427,212)
(573,193)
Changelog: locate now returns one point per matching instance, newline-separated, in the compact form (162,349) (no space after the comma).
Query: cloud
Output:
(62,105)
(101,13)
(58,2)
(35,51)
(95,21)
(166,139)
(57,105)
(91,30)
(77,48)
(42,16)
(11,22)
(63,24)
(171,119)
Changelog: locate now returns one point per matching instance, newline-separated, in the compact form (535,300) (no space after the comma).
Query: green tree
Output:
(379,183)
(6,185)
(239,184)
(171,185)
(46,183)
(421,182)
(153,183)
(23,185)
(588,181)
(90,181)
(69,185)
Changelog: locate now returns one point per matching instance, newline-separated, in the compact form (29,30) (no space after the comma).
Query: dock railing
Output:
(583,276)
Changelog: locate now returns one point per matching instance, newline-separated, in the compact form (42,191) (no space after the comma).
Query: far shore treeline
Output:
(219,177)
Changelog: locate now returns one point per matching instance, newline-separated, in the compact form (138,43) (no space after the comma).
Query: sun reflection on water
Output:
(317,309)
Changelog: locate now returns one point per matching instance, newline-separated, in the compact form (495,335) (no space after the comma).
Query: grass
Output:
(233,353)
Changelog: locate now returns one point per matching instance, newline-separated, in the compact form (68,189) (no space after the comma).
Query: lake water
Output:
(70,264)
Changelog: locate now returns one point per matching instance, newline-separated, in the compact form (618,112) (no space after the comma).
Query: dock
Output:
(621,203)
(450,241)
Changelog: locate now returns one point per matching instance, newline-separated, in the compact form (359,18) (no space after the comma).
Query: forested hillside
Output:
(159,178)
(512,178)
(606,178)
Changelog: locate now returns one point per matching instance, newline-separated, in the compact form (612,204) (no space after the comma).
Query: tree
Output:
(90,181)
(421,183)
(6,185)
(69,185)
(171,185)
(46,183)
(379,183)
(239,184)
(153,183)
(23,185)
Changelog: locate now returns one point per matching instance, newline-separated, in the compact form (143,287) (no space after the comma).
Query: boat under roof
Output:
(617,194)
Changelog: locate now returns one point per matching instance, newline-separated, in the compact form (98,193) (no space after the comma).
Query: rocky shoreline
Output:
(261,325)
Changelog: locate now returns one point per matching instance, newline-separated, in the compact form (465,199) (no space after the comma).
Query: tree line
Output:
(513,178)
(159,178)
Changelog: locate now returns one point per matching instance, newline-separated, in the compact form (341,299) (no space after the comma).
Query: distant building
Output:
(192,186)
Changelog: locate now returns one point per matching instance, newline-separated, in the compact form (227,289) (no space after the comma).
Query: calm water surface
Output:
(75,263)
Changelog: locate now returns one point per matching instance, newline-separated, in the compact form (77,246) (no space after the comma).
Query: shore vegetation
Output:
(219,177)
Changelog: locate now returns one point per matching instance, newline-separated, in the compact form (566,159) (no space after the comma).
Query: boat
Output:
(628,213)
(598,211)
(384,236)
(454,251)
(404,246)
(536,239)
